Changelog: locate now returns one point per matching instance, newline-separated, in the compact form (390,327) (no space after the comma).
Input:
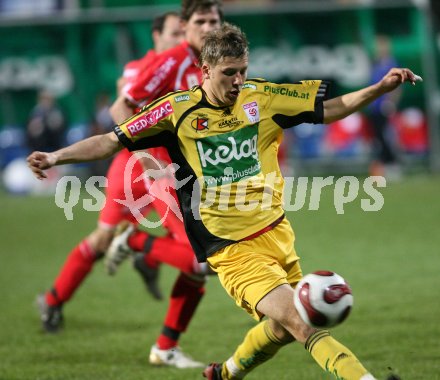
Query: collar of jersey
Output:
(206,103)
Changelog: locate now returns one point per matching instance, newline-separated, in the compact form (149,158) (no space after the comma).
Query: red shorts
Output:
(114,212)
(166,205)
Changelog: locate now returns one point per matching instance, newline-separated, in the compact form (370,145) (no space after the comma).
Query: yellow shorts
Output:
(248,270)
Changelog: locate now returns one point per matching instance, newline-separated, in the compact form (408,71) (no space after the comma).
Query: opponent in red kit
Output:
(175,69)
(82,258)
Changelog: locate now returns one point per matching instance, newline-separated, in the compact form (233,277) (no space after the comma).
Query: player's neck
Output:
(211,97)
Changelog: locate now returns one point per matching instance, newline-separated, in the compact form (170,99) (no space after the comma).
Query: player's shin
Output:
(335,358)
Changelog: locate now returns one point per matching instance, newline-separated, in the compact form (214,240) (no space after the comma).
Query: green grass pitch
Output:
(391,259)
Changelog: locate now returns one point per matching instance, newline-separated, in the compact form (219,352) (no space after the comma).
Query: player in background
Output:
(166,33)
(174,69)
(251,248)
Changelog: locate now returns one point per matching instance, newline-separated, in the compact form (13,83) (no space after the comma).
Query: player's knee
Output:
(290,320)
(100,239)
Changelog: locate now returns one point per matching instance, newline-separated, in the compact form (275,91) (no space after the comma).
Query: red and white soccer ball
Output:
(323,299)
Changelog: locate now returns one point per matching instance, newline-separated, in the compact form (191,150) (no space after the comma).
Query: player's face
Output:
(223,81)
(172,34)
(199,25)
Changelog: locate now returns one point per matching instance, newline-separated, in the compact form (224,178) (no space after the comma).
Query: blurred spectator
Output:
(385,161)
(412,131)
(46,124)
(348,137)
(102,123)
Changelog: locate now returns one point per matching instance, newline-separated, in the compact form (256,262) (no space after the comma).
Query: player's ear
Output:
(156,36)
(206,71)
(183,24)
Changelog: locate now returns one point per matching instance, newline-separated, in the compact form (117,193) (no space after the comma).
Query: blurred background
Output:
(59,60)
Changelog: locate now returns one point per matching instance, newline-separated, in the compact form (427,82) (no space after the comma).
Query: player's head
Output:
(166,31)
(224,62)
(199,17)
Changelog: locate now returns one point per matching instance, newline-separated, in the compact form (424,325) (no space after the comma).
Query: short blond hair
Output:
(228,41)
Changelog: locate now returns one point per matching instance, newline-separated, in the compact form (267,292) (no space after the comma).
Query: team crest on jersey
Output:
(147,120)
(252,112)
(199,124)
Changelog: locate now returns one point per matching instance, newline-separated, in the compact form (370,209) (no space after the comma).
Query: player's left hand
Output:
(40,161)
(396,76)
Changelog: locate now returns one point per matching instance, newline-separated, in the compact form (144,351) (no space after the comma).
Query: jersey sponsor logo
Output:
(229,157)
(181,98)
(230,123)
(252,112)
(199,124)
(286,92)
(160,74)
(249,85)
(149,119)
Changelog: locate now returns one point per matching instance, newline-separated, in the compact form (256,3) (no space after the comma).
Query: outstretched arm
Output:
(91,149)
(342,106)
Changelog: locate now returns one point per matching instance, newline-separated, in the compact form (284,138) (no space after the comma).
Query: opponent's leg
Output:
(185,297)
(82,258)
(77,266)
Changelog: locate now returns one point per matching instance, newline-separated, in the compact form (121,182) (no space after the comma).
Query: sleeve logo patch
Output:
(149,119)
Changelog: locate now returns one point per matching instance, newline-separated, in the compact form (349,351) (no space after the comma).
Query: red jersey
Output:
(133,68)
(174,69)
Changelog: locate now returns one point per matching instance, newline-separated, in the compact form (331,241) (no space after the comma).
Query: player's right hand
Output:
(40,161)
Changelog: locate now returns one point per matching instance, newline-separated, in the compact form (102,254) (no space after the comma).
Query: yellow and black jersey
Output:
(227,156)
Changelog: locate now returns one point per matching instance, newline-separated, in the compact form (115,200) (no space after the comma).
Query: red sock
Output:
(185,297)
(169,251)
(142,241)
(78,264)
(136,241)
(167,339)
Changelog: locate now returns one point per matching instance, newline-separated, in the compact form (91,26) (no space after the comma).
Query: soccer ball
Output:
(323,299)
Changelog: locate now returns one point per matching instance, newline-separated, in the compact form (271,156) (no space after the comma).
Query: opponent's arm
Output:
(342,106)
(91,149)
(138,93)
(121,109)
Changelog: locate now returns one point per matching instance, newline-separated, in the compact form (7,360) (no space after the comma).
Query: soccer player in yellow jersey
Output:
(224,137)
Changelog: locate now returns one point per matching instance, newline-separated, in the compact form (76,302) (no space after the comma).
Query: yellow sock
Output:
(259,345)
(335,358)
